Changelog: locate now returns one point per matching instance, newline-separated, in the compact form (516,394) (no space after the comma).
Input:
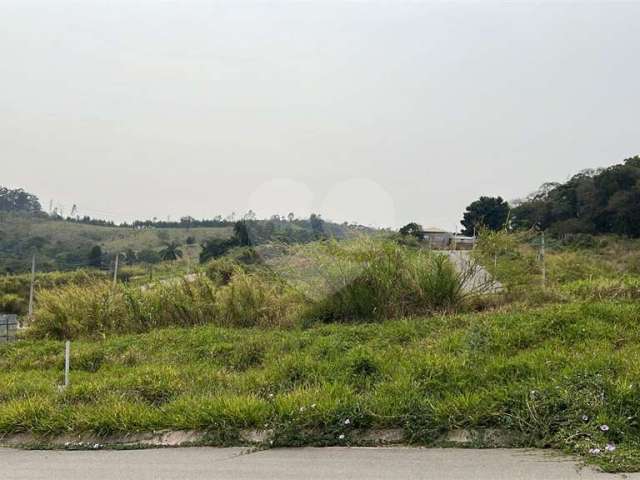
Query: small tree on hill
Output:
(317,226)
(95,257)
(171,252)
(241,233)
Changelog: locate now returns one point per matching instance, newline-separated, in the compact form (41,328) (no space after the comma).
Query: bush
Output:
(221,270)
(250,300)
(379,280)
(101,308)
(11,303)
(14,289)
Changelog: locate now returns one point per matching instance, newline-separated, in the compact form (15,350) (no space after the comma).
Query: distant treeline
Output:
(598,201)
(26,229)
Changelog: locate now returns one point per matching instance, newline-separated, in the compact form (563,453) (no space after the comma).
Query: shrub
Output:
(11,303)
(221,270)
(250,300)
(99,309)
(378,280)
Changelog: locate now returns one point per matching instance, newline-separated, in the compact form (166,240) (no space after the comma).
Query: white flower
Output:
(313,405)
(347,422)
(594,451)
(301,409)
(610,447)
(604,428)
(341,437)
(585,418)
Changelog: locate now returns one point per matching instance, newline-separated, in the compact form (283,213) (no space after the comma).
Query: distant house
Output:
(461,242)
(442,240)
(437,238)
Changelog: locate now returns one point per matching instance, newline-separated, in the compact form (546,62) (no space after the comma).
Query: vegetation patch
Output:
(561,376)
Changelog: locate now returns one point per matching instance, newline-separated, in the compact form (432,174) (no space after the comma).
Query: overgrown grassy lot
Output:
(553,376)
(329,281)
(321,342)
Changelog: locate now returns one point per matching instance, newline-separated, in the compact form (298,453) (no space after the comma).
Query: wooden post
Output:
(31,289)
(115,270)
(544,266)
(67,355)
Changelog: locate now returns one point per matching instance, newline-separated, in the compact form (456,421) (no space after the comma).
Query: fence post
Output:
(33,281)
(544,266)
(67,354)
(115,270)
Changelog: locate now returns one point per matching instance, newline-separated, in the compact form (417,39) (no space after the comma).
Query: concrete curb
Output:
(490,438)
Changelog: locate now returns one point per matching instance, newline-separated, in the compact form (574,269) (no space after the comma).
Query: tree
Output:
(216,247)
(171,251)
(130,256)
(317,225)
(95,257)
(241,233)
(413,229)
(148,256)
(488,212)
(591,202)
(18,201)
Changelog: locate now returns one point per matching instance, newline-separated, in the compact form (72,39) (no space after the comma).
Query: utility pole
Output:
(115,270)
(33,281)
(544,266)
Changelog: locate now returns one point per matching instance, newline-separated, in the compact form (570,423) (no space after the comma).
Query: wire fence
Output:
(8,327)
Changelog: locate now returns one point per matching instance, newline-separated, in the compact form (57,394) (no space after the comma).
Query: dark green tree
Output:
(412,229)
(148,256)
(317,226)
(591,202)
(171,251)
(95,257)
(130,256)
(241,233)
(216,247)
(18,201)
(488,212)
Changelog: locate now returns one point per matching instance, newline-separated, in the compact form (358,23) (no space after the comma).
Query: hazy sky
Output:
(378,112)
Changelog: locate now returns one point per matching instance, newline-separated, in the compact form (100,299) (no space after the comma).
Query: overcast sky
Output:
(376,112)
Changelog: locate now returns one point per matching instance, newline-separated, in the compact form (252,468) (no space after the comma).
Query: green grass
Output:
(352,281)
(299,339)
(534,374)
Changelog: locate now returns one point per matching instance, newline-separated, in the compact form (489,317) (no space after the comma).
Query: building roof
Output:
(433,230)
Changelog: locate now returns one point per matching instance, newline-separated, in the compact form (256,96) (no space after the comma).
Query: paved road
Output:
(476,278)
(288,464)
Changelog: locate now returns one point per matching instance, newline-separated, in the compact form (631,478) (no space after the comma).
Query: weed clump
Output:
(379,280)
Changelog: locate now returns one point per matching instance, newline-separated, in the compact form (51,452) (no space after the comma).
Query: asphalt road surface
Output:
(476,278)
(284,464)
